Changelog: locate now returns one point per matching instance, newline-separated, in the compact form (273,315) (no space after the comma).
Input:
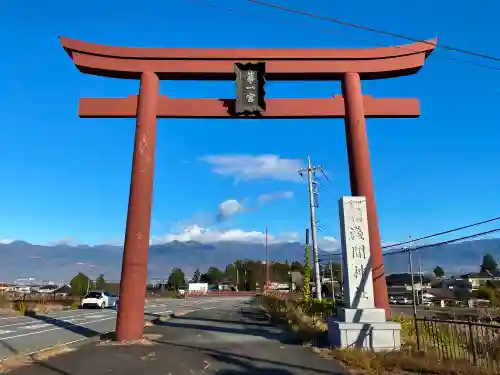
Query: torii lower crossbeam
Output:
(223,108)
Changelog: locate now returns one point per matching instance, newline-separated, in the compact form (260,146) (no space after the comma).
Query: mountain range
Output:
(20,259)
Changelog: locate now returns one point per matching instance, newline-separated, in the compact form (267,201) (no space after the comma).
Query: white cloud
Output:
(228,209)
(86,264)
(287,237)
(206,236)
(253,167)
(6,241)
(265,198)
(329,243)
(202,235)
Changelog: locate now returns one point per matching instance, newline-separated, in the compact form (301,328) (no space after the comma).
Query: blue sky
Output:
(65,178)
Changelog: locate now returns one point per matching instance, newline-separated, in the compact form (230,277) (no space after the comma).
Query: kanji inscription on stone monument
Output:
(358,283)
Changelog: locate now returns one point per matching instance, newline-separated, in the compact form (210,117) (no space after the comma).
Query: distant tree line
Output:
(244,274)
(488,266)
(491,289)
(81,284)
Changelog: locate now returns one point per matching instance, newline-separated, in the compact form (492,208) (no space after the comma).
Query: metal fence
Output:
(478,343)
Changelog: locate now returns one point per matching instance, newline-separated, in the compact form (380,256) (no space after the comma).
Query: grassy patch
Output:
(443,350)
(398,362)
(306,320)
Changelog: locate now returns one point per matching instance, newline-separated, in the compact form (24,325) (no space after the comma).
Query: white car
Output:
(98,299)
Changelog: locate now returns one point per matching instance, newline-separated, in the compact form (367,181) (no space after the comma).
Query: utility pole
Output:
(421,280)
(237,278)
(417,334)
(331,281)
(412,280)
(267,265)
(312,205)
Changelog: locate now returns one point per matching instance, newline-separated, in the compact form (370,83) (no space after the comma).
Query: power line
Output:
(207,4)
(444,242)
(405,250)
(373,30)
(441,233)
(334,210)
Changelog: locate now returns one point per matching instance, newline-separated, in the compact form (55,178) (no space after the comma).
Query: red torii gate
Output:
(150,65)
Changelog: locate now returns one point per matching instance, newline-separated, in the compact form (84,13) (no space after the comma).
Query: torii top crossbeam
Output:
(217,64)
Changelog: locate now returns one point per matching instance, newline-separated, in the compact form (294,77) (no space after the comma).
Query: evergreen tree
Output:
(100,282)
(81,284)
(438,271)
(489,264)
(176,280)
(196,276)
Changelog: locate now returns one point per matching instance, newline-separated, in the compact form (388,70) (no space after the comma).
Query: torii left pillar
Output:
(135,257)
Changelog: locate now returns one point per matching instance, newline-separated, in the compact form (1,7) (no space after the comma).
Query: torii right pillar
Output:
(360,175)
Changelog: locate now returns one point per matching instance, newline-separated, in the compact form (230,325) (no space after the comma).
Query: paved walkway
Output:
(226,341)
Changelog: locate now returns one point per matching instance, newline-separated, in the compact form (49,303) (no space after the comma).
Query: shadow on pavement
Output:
(262,371)
(187,308)
(280,336)
(262,324)
(247,361)
(42,364)
(243,368)
(83,331)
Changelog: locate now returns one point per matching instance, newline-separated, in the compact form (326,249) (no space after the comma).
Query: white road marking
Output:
(52,314)
(49,330)
(4,332)
(164,312)
(78,316)
(35,326)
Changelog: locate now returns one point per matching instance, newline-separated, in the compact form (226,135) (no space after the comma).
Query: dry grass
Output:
(407,361)
(182,313)
(143,341)
(32,307)
(110,339)
(19,361)
(454,339)
(5,302)
(161,319)
(383,363)
(307,328)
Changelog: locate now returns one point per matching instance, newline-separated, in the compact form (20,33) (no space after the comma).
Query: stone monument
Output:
(359,324)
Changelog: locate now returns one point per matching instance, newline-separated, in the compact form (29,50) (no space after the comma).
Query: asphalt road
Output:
(234,339)
(22,335)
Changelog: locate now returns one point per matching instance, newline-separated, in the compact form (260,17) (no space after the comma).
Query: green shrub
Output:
(75,306)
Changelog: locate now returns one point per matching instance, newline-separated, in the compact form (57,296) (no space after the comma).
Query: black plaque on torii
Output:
(250,92)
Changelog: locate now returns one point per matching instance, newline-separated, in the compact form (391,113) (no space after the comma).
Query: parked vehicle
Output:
(427,303)
(98,299)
